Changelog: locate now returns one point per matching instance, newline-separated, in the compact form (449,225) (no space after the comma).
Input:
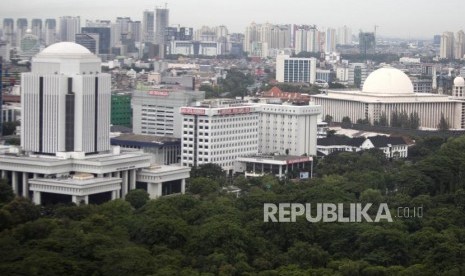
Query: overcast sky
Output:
(395,18)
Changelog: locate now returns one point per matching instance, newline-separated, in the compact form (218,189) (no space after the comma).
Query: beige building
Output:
(388,90)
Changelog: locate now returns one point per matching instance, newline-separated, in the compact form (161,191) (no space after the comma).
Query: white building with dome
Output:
(65,152)
(388,90)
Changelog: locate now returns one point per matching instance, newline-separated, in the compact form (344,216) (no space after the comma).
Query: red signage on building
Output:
(192,111)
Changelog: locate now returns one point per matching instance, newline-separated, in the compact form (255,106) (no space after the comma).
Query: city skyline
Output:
(237,15)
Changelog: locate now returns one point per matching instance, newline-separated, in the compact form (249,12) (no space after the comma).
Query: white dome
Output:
(459,81)
(66,48)
(388,81)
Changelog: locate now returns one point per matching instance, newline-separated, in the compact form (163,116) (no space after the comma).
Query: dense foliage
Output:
(209,232)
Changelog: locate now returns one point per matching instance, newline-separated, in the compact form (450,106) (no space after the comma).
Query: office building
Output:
(459,45)
(50,31)
(344,36)
(67,111)
(104,38)
(218,131)
(330,40)
(161,23)
(69,27)
(9,30)
(156,111)
(5,51)
(29,46)
(121,111)
(148,27)
(135,31)
(447,46)
(90,41)
(300,70)
(65,141)
(36,27)
(387,91)
(287,129)
(21,28)
(367,43)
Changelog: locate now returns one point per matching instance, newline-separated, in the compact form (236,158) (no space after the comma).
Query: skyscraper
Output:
(161,22)
(69,27)
(104,37)
(21,28)
(90,41)
(344,36)
(135,30)
(50,31)
(330,40)
(367,43)
(36,27)
(459,47)
(148,22)
(447,45)
(68,102)
(8,30)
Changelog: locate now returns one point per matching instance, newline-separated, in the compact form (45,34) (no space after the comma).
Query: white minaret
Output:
(65,102)
(458,90)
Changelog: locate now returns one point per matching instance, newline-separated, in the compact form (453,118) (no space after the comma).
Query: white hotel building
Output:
(65,145)
(219,131)
(388,90)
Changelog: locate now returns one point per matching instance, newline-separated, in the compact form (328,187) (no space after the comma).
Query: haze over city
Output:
(396,18)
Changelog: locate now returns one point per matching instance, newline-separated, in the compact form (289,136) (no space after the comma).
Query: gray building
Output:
(104,37)
(156,112)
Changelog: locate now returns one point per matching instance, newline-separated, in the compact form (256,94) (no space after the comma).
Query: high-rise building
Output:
(218,131)
(69,27)
(135,30)
(161,22)
(8,30)
(156,111)
(447,45)
(148,29)
(288,129)
(50,31)
(90,41)
(65,137)
(459,47)
(104,36)
(21,28)
(36,27)
(367,43)
(344,36)
(29,46)
(302,70)
(68,102)
(330,40)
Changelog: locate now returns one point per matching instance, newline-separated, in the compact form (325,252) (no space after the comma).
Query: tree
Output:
(346,120)
(328,119)
(6,192)
(414,120)
(137,198)
(443,124)
(383,119)
(10,127)
(203,186)
(395,122)
(209,170)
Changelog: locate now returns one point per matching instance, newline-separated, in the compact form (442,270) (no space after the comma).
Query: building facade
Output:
(65,148)
(156,111)
(387,91)
(300,70)
(218,131)
(288,129)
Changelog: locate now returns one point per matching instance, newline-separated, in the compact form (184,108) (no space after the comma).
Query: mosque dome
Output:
(388,80)
(66,48)
(459,81)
